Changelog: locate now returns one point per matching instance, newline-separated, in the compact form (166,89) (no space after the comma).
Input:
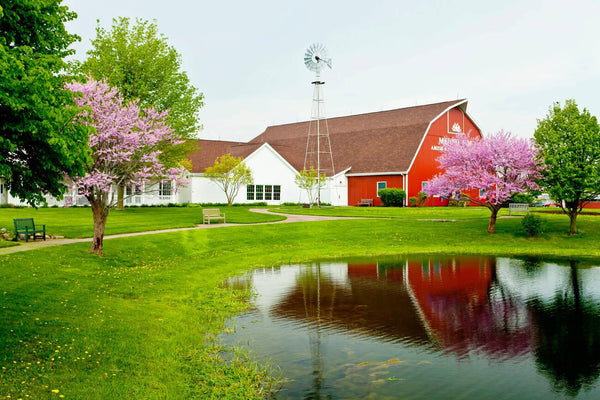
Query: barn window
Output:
(268,192)
(380,186)
(250,192)
(481,193)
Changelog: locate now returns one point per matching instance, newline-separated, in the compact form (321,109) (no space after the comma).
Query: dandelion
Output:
(55,390)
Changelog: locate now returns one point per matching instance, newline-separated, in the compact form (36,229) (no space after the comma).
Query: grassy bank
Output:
(141,321)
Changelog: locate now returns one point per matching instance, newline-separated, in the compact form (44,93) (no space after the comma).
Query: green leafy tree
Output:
(229,173)
(139,61)
(39,144)
(569,148)
(311,182)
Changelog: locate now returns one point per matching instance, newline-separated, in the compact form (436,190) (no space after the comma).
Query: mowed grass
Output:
(77,222)
(141,321)
(392,212)
(409,212)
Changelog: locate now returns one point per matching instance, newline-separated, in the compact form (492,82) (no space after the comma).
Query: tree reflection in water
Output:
(568,337)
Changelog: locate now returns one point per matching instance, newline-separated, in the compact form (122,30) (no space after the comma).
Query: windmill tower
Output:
(318,146)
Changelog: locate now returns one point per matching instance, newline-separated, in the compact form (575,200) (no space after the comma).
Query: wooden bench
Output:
(365,202)
(208,214)
(518,208)
(26,227)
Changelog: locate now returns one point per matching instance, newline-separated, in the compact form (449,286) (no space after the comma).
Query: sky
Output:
(510,59)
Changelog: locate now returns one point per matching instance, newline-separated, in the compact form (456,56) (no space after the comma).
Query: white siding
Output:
(268,168)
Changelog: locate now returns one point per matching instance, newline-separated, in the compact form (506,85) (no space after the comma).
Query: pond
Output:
(427,328)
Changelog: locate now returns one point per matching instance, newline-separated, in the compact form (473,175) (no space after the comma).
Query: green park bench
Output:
(26,227)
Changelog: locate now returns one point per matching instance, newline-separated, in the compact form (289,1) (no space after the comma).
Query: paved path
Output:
(55,242)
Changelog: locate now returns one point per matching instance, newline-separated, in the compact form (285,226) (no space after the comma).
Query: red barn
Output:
(387,149)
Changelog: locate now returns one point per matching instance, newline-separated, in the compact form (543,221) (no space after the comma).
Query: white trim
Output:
(429,127)
(269,147)
(405,187)
(448,129)
(342,172)
(378,173)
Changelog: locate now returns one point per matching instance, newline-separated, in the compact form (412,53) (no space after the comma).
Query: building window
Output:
(481,193)
(133,191)
(380,186)
(164,189)
(276,192)
(259,192)
(263,192)
(424,185)
(133,195)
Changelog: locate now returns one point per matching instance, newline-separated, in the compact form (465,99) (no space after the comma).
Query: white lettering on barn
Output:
(441,142)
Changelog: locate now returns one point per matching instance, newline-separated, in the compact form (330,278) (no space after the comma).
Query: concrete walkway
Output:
(38,244)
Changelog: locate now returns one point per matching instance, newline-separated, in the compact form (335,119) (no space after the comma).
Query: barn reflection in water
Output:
(466,308)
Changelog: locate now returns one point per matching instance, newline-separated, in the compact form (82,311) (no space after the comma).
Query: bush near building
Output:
(392,197)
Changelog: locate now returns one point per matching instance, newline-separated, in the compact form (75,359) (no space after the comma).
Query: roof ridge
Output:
(368,113)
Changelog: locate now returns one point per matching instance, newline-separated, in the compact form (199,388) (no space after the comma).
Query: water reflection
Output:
(505,321)
(568,336)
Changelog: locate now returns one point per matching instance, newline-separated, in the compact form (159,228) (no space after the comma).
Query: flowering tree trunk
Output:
(100,209)
(494,208)
(492,224)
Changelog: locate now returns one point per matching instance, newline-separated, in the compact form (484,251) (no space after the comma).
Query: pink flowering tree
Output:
(498,166)
(124,144)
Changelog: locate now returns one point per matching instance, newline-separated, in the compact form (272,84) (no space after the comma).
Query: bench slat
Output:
(518,208)
(27,227)
(208,214)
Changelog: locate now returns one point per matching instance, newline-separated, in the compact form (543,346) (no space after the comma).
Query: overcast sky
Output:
(510,59)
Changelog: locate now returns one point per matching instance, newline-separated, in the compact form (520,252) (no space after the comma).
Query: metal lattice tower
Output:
(318,144)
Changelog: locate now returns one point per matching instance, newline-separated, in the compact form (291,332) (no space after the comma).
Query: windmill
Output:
(318,146)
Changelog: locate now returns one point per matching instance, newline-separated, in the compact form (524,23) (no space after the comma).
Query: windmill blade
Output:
(315,57)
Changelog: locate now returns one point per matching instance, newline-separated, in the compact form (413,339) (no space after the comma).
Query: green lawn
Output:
(407,212)
(78,222)
(141,321)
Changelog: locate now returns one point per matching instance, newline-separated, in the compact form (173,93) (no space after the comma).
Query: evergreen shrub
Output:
(532,225)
